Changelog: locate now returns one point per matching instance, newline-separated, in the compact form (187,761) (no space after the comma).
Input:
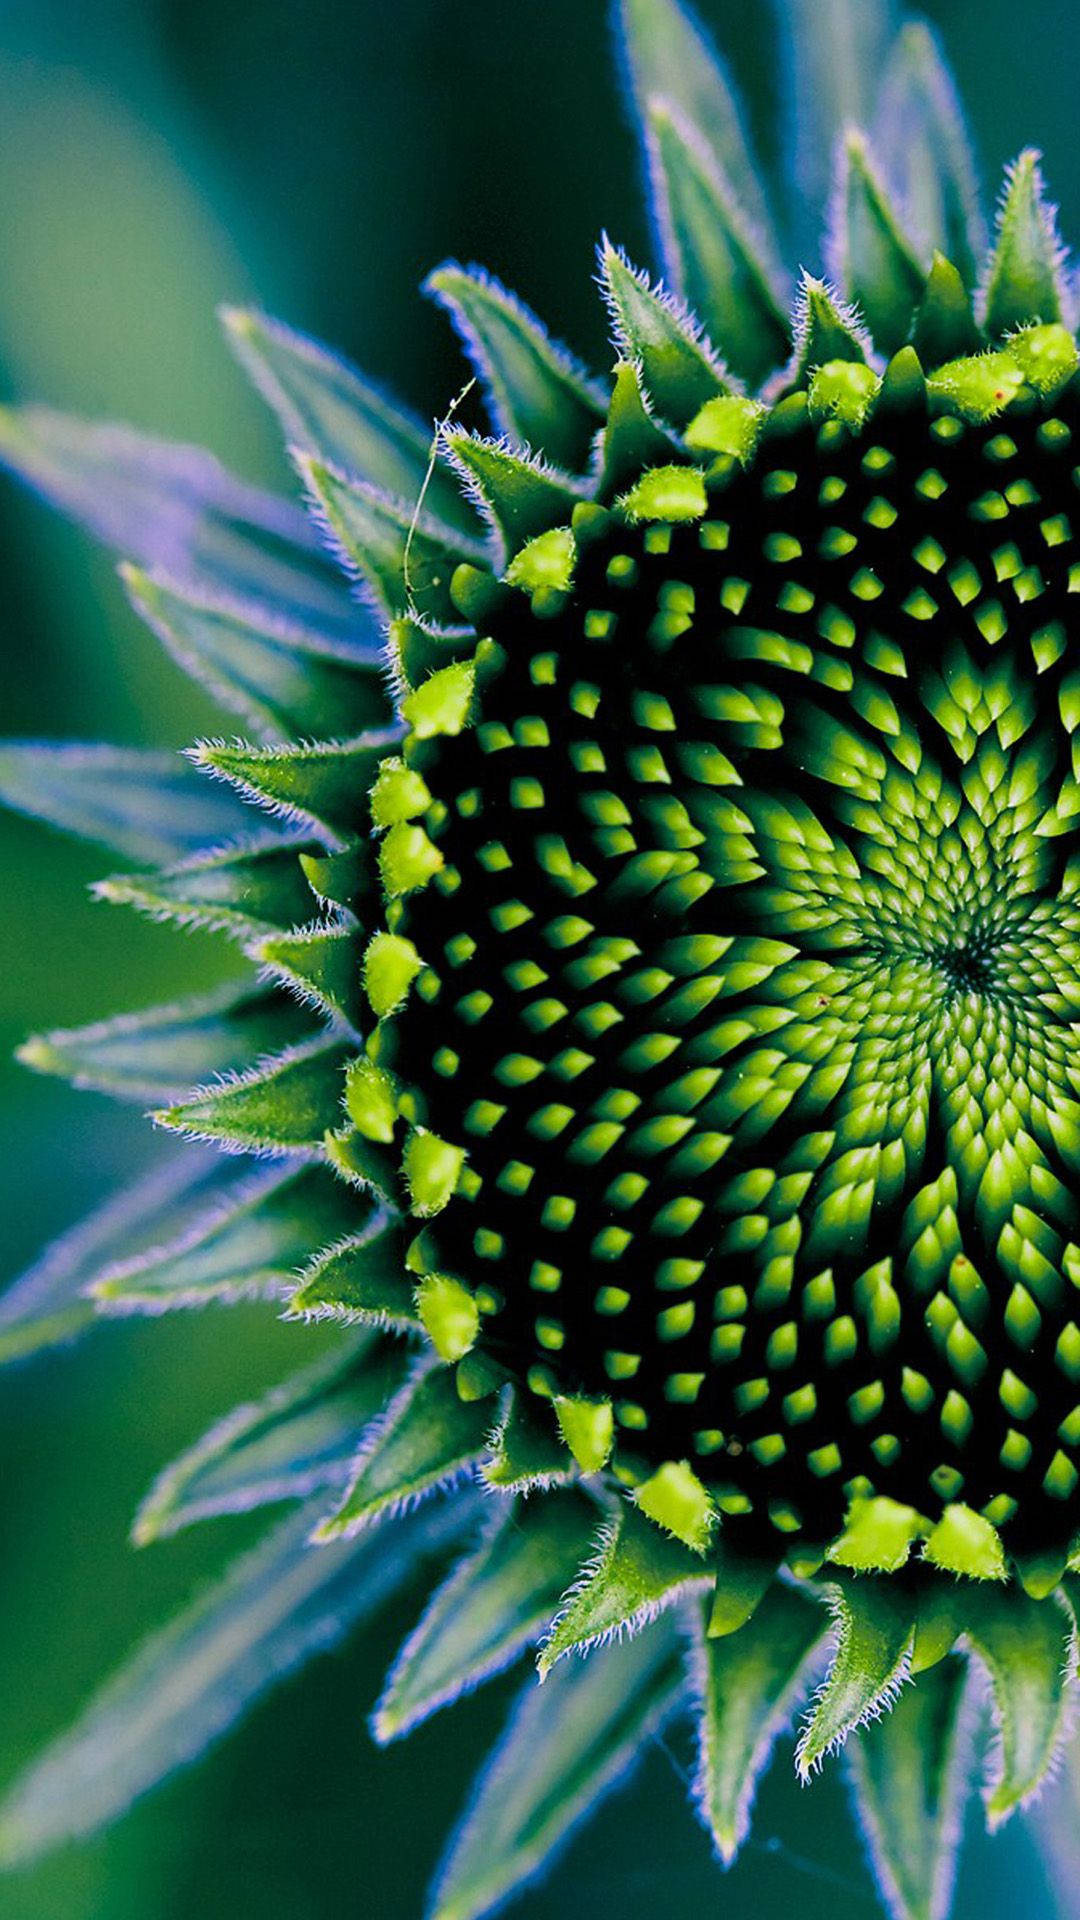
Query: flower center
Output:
(754,972)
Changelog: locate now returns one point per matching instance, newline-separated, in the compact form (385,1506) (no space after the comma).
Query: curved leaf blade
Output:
(360,1280)
(912,1774)
(919,131)
(145,806)
(636,1573)
(1026,276)
(496,1603)
(402,555)
(566,1746)
(875,1632)
(287,1105)
(1028,1648)
(255,888)
(429,1437)
(748,1685)
(162,1052)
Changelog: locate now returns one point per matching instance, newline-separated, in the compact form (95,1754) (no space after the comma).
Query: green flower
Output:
(666,969)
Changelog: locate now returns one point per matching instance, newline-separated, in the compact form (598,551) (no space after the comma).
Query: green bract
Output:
(666,980)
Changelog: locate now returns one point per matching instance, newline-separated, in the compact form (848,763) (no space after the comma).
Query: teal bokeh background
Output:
(157,159)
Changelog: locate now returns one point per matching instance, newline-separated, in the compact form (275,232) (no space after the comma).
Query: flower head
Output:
(668,948)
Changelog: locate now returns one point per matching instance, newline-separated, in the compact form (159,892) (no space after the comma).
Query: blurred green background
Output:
(156,159)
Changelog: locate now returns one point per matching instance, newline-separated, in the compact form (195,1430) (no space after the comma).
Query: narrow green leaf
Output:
(428,1437)
(748,1685)
(494,1605)
(632,439)
(709,253)
(525,1453)
(871,257)
(359,1280)
(1028,1647)
(944,326)
(284,680)
(51,1302)
(176,508)
(825,330)
(323,783)
(678,367)
(668,55)
(322,965)
(330,411)
(912,1775)
(145,806)
(186,1686)
(537,392)
(520,496)
(299,1438)
(162,1052)
(286,1105)
(404,556)
(833,54)
(920,133)
(1026,276)
(636,1572)
(247,1245)
(566,1745)
(257,887)
(875,1629)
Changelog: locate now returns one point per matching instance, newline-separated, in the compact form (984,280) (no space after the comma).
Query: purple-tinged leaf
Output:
(525,1452)
(162,1052)
(248,890)
(920,134)
(176,508)
(145,806)
(1029,1649)
(537,392)
(330,411)
(360,1280)
(833,53)
(666,54)
(494,1605)
(300,1438)
(566,1746)
(247,1242)
(52,1300)
(322,965)
(869,254)
(283,679)
(874,1624)
(912,1775)
(274,1609)
(287,1104)
(520,495)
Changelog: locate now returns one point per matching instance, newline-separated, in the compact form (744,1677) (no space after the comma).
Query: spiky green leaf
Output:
(255,888)
(359,1279)
(632,439)
(912,1774)
(1028,1647)
(635,1574)
(298,1439)
(494,1605)
(286,1105)
(874,1623)
(709,253)
(161,1053)
(329,410)
(520,494)
(920,133)
(283,679)
(566,1745)
(536,391)
(401,553)
(747,1685)
(679,370)
(186,1686)
(429,1436)
(322,964)
(145,806)
(324,783)
(176,508)
(1025,279)
(525,1452)
(872,258)
(245,1245)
